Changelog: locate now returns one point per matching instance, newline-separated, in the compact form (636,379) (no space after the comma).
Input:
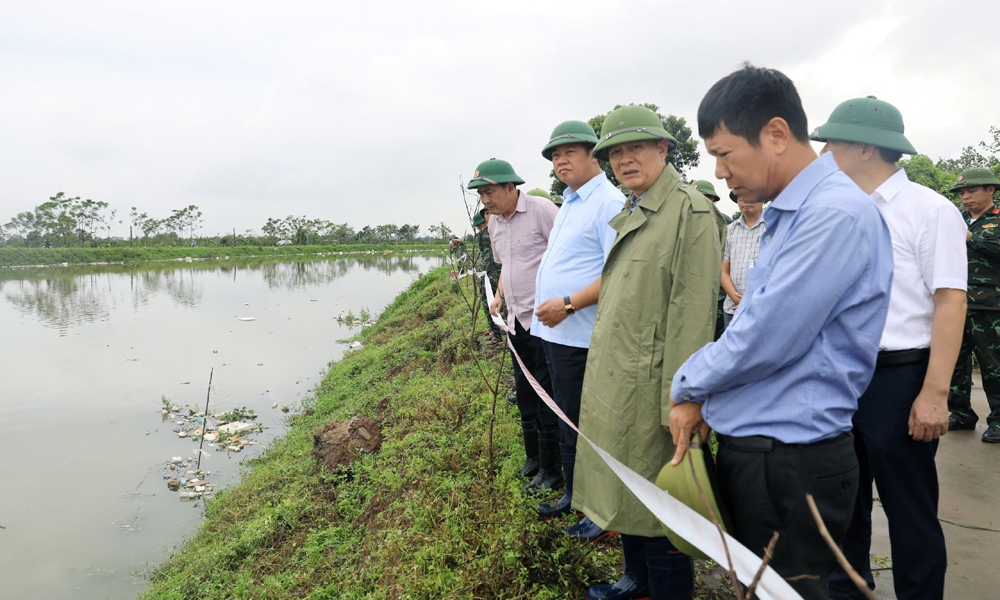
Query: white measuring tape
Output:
(676,515)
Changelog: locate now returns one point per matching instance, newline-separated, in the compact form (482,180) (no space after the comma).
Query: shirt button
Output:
(767,238)
(610,372)
(615,323)
(625,274)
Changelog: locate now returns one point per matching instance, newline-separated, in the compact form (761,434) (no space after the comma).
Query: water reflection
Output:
(64,297)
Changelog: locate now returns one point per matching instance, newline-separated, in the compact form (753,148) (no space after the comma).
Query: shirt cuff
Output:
(680,395)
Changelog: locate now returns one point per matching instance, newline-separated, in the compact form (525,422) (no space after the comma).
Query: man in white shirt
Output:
(904,410)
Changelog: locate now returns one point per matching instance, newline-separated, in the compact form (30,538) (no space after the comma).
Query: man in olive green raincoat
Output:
(656,307)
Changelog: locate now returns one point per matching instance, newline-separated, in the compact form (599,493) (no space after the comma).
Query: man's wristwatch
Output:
(569,306)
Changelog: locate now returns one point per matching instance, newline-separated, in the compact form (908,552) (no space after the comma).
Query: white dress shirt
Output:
(928,253)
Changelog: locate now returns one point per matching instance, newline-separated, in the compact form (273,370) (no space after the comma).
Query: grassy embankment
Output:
(420,518)
(10,257)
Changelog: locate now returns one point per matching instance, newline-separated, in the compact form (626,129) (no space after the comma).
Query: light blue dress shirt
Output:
(802,346)
(578,246)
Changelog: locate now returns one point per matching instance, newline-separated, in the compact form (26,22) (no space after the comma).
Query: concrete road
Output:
(969,474)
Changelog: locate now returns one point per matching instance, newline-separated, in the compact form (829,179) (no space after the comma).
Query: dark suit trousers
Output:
(532,409)
(906,476)
(764,491)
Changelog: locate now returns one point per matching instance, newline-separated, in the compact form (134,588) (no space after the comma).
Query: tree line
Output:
(940,175)
(65,221)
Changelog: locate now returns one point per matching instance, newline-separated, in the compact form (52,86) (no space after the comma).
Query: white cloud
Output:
(370,112)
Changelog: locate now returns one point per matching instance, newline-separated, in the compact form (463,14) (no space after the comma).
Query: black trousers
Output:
(906,476)
(656,562)
(566,366)
(533,410)
(764,491)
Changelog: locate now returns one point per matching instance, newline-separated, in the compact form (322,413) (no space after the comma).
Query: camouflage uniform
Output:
(461,257)
(982,322)
(492,269)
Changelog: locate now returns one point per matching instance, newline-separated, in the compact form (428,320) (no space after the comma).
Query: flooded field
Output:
(88,356)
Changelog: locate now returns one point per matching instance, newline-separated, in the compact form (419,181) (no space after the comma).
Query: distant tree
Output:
(138,221)
(443,232)
(682,157)
(921,169)
(186,220)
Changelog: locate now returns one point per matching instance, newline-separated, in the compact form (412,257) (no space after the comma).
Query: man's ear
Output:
(776,134)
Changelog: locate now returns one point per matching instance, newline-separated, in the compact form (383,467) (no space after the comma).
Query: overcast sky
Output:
(370,112)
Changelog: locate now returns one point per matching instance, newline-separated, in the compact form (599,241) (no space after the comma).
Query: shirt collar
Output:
(743,222)
(795,193)
(892,186)
(586,189)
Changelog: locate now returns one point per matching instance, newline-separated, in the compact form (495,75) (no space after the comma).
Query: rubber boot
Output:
(563,506)
(549,464)
(530,435)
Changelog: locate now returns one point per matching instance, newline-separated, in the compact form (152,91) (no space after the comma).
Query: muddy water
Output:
(86,355)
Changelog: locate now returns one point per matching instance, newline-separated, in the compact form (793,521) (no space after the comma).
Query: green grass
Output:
(10,257)
(420,518)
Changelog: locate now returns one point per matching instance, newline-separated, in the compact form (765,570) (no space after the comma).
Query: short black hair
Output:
(890,156)
(746,100)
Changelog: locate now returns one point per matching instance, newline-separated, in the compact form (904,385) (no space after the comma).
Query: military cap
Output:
(479,219)
(494,171)
(865,121)
(705,187)
(630,124)
(557,200)
(570,132)
(540,193)
(679,482)
(974,177)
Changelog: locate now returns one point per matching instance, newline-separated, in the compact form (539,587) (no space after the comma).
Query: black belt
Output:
(895,358)
(763,443)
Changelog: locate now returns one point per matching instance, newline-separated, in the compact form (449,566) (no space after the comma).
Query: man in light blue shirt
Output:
(782,383)
(567,286)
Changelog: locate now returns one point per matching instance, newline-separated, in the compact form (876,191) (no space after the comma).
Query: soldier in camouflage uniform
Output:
(486,264)
(708,190)
(460,257)
(976,187)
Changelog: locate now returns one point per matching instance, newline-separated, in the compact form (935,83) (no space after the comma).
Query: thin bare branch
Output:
(846,566)
(768,554)
(737,586)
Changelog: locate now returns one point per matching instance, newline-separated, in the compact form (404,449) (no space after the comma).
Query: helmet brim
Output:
(566,140)
(479,182)
(632,134)
(846,132)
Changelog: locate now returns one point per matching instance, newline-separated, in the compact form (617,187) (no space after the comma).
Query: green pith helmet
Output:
(865,121)
(974,177)
(706,188)
(492,172)
(570,132)
(557,200)
(540,193)
(679,482)
(479,219)
(630,124)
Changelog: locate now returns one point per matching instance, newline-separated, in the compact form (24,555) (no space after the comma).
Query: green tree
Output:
(186,220)
(921,169)
(138,221)
(682,157)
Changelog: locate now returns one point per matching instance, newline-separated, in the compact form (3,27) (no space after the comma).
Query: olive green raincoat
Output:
(656,307)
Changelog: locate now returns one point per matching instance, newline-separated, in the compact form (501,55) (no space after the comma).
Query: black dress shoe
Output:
(625,588)
(587,531)
(992,434)
(561,508)
(956,422)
